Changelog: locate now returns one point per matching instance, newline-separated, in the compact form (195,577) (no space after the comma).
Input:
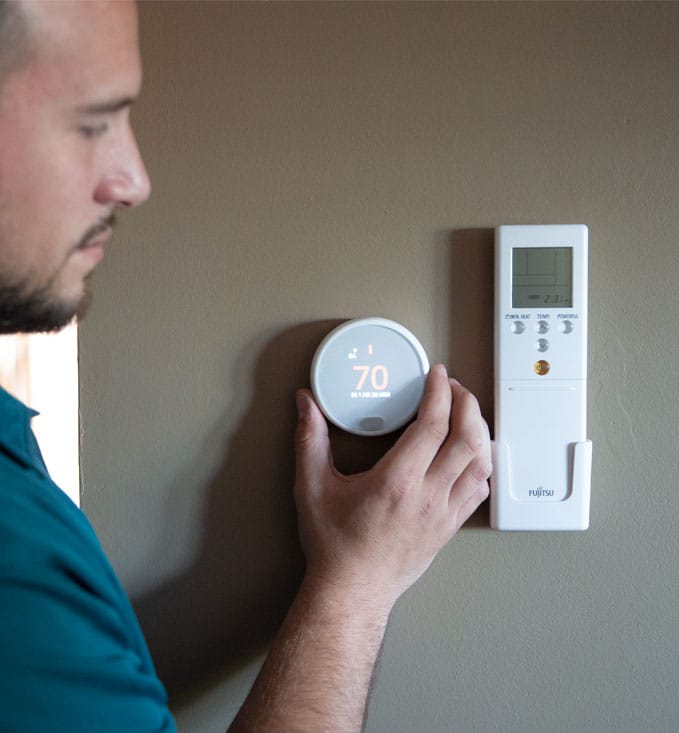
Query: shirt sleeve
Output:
(73,658)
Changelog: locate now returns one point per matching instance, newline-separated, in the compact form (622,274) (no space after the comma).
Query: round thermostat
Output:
(368,376)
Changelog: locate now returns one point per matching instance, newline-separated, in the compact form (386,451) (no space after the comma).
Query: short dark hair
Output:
(13,31)
(4,12)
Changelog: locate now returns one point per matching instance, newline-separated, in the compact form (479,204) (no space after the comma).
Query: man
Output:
(72,655)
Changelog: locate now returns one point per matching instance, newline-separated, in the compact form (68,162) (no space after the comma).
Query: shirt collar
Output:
(16,436)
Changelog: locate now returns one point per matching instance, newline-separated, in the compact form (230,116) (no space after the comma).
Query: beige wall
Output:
(314,162)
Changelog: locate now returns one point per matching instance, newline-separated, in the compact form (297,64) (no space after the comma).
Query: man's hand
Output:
(367,538)
(374,534)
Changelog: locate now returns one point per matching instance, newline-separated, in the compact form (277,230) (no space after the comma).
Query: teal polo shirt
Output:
(72,655)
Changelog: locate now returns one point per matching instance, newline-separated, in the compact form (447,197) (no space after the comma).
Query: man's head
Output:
(69,72)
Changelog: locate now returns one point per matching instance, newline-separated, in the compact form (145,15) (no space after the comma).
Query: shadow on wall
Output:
(209,621)
(472,314)
(213,617)
(222,610)
(470,356)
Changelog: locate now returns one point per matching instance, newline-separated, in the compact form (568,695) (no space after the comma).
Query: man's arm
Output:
(367,538)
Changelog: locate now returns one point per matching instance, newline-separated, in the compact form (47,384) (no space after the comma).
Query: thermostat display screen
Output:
(368,377)
(542,277)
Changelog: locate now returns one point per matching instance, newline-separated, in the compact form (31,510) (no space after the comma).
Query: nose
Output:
(124,182)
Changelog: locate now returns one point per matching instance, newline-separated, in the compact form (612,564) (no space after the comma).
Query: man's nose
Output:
(125,182)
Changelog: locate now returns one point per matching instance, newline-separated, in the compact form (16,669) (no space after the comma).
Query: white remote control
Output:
(542,458)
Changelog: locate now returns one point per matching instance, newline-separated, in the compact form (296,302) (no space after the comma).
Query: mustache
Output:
(95,230)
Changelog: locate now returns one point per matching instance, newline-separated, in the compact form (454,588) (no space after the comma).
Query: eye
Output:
(93,131)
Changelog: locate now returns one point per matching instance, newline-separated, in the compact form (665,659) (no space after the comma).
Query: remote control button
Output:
(518,326)
(542,327)
(541,367)
(541,345)
(566,326)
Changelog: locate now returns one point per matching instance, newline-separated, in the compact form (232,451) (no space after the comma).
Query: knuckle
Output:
(304,434)
(483,491)
(428,507)
(402,487)
(467,400)
(481,469)
(395,485)
(438,429)
(472,441)
(302,438)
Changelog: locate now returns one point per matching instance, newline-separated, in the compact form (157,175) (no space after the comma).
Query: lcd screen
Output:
(542,277)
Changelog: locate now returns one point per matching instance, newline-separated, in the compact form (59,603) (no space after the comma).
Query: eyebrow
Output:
(105,108)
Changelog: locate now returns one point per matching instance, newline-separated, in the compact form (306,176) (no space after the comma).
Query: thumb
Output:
(312,444)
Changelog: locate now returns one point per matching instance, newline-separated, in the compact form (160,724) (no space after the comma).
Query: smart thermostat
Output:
(368,376)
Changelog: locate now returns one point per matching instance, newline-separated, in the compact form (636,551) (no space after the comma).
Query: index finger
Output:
(417,447)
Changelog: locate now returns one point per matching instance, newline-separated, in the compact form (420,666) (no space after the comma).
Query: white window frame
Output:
(42,371)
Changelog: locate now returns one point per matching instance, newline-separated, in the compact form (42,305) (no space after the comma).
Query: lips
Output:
(97,237)
(97,241)
(98,233)
(92,242)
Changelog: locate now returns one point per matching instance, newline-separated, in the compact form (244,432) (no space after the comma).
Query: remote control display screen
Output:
(542,277)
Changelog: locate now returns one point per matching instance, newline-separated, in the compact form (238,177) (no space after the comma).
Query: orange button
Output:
(541,367)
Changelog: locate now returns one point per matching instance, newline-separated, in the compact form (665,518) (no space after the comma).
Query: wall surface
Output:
(319,161)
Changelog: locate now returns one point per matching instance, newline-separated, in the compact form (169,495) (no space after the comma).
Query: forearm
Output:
(318,672)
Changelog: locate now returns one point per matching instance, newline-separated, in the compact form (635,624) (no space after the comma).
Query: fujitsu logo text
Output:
(540,492)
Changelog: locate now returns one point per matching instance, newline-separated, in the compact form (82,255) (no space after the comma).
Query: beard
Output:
(28,309)
(39,311)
